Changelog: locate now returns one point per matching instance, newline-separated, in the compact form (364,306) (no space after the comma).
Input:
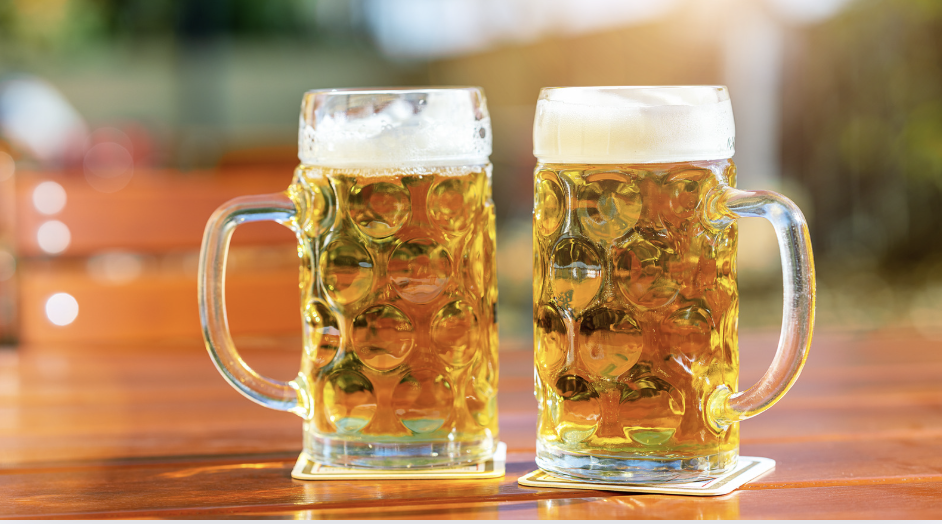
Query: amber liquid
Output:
(635,313)
(399,296)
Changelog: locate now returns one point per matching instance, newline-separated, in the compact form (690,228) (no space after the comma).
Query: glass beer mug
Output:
(392,209)
(635,298)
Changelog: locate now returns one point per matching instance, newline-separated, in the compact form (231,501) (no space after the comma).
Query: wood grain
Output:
(158,210)
(158,221)
(909,501)
(134,431)
(265,485)
(158,304)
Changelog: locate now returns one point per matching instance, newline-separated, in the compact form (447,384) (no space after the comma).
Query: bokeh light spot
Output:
(53,237)
(62,309)
(49,197)
(109,166)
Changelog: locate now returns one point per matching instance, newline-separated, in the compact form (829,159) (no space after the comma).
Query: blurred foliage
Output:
(202,18)
(63,25)
(863,133)
(46,25)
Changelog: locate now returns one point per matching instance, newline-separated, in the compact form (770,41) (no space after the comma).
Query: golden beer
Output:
(399,295)
(635,310)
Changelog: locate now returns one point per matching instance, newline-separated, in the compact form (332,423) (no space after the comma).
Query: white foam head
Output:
(616,125)
(394,127)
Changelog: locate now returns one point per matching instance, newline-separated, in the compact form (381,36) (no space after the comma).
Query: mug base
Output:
(333,451)
(632,469)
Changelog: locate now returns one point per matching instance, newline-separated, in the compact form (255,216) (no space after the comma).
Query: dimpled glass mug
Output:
(635,298)
(392,209)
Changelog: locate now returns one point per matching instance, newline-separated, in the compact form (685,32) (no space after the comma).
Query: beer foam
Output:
(394,127)
(616,125)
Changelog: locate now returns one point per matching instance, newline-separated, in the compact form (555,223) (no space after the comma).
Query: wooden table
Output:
(153,431)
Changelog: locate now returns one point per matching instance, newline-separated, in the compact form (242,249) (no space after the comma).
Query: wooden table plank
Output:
(154,431)
(264,483)
(127,403)
(215,421)
(910,501)
(266,486)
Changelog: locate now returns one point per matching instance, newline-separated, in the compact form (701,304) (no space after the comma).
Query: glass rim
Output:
(546,92)
(390,90)
(657,86)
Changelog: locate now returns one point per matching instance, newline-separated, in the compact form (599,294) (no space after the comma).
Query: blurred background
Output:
(124,123)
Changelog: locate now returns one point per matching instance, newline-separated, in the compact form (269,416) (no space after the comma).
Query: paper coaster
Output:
(306,469)
(748,468)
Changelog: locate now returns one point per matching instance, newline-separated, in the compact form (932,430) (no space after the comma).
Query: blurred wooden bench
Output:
(131,259)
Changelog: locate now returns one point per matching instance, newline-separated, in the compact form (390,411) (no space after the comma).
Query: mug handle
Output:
(277,207)
(723,406)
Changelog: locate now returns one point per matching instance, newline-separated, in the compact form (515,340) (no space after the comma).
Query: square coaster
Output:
(306,469)
(748,468)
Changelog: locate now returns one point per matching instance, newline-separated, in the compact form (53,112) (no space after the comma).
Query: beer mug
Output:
(635,298)
(391,205)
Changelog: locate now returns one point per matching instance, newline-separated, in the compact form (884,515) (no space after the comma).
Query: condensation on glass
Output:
(392,209)
(635,295)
